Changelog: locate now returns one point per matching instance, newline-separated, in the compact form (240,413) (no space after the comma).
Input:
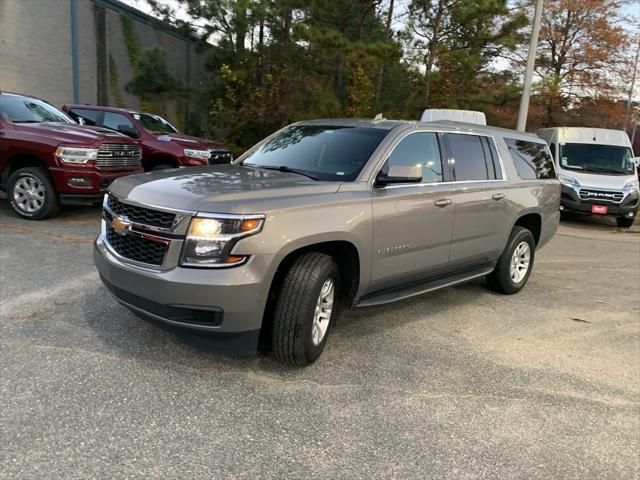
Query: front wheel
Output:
(305,309)
(31,194)
(624,222)
(514,266)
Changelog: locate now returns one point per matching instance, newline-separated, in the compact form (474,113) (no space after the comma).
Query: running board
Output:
(418,288)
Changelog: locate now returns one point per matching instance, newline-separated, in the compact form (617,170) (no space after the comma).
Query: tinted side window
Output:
(115,120)
(418,149)
(84,116)
(532,160)
(468,158)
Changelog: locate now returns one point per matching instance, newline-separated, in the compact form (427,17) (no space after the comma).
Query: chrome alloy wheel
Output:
(520,262)
(322,314)
(29,194)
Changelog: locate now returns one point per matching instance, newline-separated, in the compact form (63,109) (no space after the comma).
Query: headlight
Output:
(568,181)
(210,240)
(199,154)
(633,185)
(76,154)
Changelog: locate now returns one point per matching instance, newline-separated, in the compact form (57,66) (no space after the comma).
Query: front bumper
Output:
(98,182)
(229,302)
(570,201)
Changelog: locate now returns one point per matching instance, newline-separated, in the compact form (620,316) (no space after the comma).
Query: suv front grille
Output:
(137,248)
(145,216)
(220,156)
(119,155)
(601,195)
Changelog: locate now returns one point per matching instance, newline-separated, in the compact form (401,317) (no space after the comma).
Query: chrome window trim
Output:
(435,131)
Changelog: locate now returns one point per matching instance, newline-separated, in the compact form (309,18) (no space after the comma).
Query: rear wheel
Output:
(624,222)
(305,309)
(514,266)
(31,194)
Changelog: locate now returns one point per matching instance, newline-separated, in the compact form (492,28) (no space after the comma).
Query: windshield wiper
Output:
(27,121)
(283,168)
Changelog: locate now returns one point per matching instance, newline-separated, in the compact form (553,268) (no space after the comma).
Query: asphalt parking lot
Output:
(461,383)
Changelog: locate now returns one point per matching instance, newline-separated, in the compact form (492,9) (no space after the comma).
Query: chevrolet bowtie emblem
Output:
(120,225)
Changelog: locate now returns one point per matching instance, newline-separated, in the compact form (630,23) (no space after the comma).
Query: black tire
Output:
(500,280)
(162,166)
(624,222)
(295,307)
(47,200)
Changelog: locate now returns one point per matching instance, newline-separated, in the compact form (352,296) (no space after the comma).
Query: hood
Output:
(599,181)
(72,133)
(220,189)
(188,141)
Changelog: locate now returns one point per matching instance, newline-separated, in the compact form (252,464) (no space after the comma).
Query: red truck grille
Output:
(119,155)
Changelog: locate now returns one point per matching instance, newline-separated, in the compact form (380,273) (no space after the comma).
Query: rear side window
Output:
(84,116)
(469,157)
(532,160)
(418,149)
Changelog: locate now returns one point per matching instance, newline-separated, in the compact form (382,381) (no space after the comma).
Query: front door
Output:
(412,223)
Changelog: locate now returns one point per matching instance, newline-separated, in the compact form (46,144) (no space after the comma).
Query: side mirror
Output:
(400,174)
(127,130)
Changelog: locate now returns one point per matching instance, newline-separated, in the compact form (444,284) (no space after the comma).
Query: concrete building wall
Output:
(36,51)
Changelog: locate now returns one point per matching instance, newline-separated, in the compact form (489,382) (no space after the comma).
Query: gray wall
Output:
(36,58)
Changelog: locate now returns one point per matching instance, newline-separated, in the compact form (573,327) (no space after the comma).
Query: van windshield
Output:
(606,159)
(332,153)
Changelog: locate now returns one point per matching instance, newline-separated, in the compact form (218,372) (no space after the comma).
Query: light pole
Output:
(531,60)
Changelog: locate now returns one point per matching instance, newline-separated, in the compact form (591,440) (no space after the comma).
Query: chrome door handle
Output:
(498,196)
(443,202)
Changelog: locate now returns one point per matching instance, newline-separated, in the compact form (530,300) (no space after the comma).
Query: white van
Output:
(596,169)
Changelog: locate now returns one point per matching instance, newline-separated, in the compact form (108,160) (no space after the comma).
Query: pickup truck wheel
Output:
(31,194)
(514,266)
(306,305)
(624,222)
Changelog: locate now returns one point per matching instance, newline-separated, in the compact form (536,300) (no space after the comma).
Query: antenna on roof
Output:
(378,118)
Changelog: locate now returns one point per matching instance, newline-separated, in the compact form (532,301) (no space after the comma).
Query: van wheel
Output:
(306,306)
(624,222)
(31,194)
(514,266)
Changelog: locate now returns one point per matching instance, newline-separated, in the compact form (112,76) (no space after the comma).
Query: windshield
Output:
(596,158)
(155,123)
(16,109)
(329,153)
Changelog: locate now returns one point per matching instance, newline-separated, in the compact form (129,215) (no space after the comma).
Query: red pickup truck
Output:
(47,159)
(163,146)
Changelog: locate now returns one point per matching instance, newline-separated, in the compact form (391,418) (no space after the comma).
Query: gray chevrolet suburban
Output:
(326,213)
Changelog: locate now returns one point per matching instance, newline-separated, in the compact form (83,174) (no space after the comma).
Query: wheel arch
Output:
(532,221)
(159,159)
(347,257)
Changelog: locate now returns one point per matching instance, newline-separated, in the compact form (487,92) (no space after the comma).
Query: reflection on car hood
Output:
(72,133)
(221,189)
(599,181)
(189,142)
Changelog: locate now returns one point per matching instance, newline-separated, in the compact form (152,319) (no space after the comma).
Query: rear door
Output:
(412,222)
(481,214)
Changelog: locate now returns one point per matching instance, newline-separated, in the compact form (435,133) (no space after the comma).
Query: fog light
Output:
(79,182)
(561,208)
(630,214)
